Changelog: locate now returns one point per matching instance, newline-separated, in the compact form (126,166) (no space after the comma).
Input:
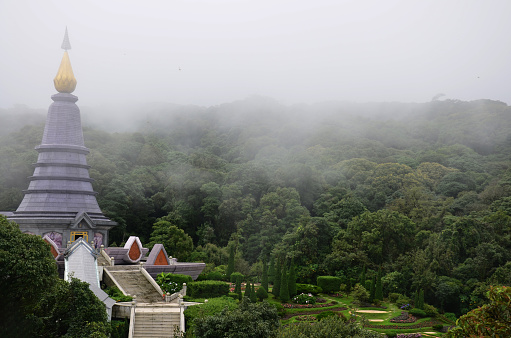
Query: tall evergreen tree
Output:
(237,288)
(271,271)
(373,289)
(253,296)
(284,287)
(230,265)
(264,282)
(378,293)
(421,299)
(276,283)
(248,289)
(416,299)
(292,279)
(363,276)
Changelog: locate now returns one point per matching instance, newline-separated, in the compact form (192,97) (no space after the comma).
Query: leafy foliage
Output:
(249,320)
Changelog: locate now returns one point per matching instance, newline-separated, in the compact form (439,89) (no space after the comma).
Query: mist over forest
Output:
(418,189)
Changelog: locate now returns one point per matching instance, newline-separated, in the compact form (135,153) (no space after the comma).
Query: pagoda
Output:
(60,202)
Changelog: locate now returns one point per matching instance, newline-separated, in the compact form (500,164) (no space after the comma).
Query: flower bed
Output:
(305,306)
(313,312)
(429,323)
(409,335)
(305,318)
(404,317)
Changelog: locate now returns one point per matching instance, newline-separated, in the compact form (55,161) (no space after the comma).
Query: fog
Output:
(204,52)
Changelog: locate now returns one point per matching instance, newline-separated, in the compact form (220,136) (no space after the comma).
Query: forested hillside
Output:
(421,190)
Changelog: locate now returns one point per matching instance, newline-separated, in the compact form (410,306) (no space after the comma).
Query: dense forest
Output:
(421,191)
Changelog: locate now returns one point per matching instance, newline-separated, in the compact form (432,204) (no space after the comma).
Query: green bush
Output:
(249,320)
(451,316)
(325,314)
(215,275)
(120,328)
(393,297)
(235,275)
(261,293)
(438,327)
(402,300)
(304,298)
(430,310)
(212,307)
(208,289)
(172,282)
(233,295)
(116,294)
(329,284)
(308,288)
(418,312)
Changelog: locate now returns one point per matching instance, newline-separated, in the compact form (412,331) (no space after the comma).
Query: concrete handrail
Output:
(105,256)
(115,281)
(151,280)
(132,321)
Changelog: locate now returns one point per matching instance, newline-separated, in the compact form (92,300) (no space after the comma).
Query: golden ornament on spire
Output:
(65,81)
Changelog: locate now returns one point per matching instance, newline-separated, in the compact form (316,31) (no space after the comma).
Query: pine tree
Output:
(271,272)
(416,299)
(230,265)
(264,282)
(253,296)
(292,280)
(276,283)
(378,293)
(421,299)
(284,287)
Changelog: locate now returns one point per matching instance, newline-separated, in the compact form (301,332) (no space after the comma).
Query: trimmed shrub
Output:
(438,327)
(261,293)
(234,277)
(329,284)
(117,295)
(308,288)
(172,282)
(418,312)
(325,314)
(208,289)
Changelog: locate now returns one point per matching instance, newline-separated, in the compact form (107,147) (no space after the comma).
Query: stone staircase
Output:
(133,282)
(156,321)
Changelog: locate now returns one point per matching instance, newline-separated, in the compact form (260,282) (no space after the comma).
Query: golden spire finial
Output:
(65,81)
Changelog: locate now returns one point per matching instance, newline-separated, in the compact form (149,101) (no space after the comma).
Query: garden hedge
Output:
(207,289)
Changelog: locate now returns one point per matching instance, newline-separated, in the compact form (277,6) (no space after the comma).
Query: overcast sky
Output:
(208,52)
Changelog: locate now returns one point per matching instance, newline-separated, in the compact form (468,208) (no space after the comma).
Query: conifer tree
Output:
(292,280)
(284,287)
(271,272)
(264,282)
(421,299)
(416,299)
(237,289)
(363,276)
(276,283)
(378,293)
(373,289)
(253,296)
(248,288)
(230,265)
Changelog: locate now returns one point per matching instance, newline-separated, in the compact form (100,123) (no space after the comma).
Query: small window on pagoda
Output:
(79,234)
